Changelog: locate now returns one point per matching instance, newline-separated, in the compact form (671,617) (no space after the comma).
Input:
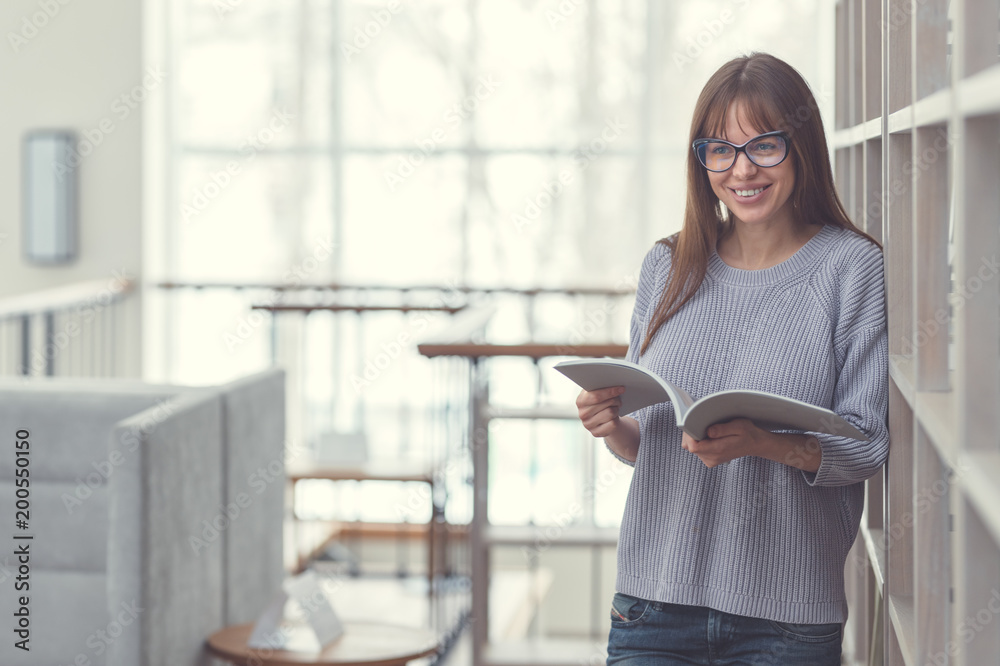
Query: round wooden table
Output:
(363,644)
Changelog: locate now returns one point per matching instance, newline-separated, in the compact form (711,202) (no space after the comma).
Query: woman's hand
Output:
(727,441)
(598,410)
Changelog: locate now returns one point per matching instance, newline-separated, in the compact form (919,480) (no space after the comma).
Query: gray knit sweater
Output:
(756,537)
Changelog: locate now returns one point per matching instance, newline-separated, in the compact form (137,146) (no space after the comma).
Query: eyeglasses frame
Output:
(743,149)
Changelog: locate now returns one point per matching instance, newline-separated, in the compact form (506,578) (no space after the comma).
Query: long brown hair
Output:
(774,96)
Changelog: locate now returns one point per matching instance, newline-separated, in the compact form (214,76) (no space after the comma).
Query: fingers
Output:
(604,417)
(598,410)
(726,428)
(687,441)
(587,398)
(589,411)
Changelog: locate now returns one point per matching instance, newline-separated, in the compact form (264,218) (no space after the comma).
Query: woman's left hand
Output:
(727,441)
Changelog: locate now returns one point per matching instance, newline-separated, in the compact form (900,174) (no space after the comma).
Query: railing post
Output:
(478,545)
(25,344)
(48,346)
(274,338)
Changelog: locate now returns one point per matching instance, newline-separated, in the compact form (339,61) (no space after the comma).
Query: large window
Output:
(448,143)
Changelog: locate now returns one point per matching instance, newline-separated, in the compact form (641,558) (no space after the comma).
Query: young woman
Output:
(732,548)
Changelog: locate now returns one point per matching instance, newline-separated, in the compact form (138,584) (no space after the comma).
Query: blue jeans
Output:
(651,633)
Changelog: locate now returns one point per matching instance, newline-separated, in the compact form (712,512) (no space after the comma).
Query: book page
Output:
(641,387)
(767,411)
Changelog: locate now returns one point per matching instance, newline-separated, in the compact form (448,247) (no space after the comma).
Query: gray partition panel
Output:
(255,486)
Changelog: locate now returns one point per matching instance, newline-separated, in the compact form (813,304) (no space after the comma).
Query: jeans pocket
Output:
(808,633)
(628,610)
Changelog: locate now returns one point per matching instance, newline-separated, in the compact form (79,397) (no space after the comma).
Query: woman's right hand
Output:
(598,410)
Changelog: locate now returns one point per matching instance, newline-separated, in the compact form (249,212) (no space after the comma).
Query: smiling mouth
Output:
(746,194)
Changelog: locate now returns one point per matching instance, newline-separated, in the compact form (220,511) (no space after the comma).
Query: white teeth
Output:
(749,193)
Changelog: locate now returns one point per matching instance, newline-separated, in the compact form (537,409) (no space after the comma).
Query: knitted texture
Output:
(752,536)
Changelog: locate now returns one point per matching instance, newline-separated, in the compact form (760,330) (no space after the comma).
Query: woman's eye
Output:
(764,147)
(721,150)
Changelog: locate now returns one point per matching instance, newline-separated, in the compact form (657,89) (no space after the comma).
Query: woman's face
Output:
(769,188)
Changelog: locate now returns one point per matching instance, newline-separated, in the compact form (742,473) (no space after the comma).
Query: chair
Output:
(156,515)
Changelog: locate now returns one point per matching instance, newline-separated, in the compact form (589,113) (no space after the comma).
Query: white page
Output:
(770,412)
(641,387)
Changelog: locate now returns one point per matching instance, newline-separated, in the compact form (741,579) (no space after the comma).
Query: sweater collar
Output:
(803,257)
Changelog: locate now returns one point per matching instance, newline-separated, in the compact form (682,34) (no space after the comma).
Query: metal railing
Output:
(74,330)
(353,367)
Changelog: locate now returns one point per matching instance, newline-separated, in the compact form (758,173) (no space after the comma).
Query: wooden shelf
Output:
(933,410)
(849,136)
(852,136)
(872,129)
(936,415)
(977,475)
(935,109)
(901,371)
(980,93)
(876,552)
(901,121)
(901,610)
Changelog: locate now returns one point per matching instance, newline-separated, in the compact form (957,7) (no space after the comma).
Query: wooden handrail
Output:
(535,350)
(288,307)
(334,286)
(64,298)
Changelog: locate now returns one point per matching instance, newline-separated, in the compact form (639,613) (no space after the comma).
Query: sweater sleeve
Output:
(861,394)
(645,295)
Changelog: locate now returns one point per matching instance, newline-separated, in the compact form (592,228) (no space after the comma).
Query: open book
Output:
(643,388)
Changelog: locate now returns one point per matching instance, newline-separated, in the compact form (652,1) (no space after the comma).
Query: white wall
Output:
(77,65)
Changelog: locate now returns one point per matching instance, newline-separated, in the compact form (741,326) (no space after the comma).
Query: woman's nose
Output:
(744,168)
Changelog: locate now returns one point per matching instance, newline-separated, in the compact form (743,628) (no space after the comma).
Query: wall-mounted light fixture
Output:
(50,197)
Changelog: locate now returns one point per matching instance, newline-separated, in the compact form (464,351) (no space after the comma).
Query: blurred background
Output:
(322,185)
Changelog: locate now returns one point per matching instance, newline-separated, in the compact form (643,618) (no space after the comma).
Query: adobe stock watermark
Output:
(131,439)
(121,108)
(405,339)
(363,35)
(419,495)
(322,250)
(546,537)
(900,14)
(912,169)
(923,501)
(595,319)
(598,655)
(223,7)
(968,629)
(582,159)
(60,341)
(259,481)
(221,179)
(102,639)
(452,119)
(32,25)
(928,329)
(709,31)
(562,12)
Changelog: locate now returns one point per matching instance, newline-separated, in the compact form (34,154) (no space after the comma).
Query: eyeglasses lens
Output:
(766,151)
